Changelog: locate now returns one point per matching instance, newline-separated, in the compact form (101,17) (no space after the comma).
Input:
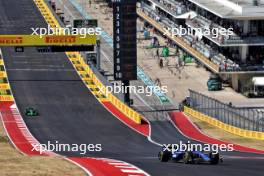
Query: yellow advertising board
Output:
(6,98)
(2,74)
(4,86)
(46,40)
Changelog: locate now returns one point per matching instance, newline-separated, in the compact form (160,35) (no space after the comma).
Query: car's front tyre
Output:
(188,158)
(215,158)
(164,156)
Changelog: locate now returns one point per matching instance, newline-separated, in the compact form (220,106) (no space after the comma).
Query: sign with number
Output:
(125,39)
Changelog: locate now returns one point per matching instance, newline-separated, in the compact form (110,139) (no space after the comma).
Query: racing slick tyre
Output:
(164,156)
(188,158)
(214,158)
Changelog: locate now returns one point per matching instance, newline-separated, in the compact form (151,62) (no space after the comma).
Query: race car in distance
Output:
(31,112)
(189,157)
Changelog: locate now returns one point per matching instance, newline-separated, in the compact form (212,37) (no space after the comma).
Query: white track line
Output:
(125,167)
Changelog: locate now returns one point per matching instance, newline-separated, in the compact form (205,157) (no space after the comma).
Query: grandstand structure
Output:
(236,57)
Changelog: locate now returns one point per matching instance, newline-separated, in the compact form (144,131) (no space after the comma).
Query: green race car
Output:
(31,112)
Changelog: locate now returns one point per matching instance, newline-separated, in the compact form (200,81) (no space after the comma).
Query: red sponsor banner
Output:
(60,39)
(11,40)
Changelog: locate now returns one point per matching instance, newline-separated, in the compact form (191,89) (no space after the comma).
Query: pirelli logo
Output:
(11,40)
(60,39)
(47,40)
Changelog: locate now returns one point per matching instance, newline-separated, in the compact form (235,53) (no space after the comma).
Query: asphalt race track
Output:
(71,114)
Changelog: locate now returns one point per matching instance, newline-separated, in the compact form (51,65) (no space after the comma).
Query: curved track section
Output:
(70,114)
(189,129)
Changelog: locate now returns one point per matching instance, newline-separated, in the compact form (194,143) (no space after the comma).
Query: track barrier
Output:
(216,123)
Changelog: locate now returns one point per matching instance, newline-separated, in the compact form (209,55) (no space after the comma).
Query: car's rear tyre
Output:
(188,158)
(215,158)
(164,156)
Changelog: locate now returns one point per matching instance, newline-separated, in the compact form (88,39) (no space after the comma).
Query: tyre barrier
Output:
(226,127)
(5,91)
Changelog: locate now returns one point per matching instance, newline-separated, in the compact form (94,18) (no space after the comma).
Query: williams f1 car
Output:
(190,157)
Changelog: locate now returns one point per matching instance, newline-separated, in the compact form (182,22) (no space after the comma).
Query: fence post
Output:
(221,111)
(244,120)
(262,117)
(225,113)
(228,114)
(239,120)
(255,114)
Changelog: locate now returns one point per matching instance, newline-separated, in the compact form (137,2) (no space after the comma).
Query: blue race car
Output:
(189,157)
